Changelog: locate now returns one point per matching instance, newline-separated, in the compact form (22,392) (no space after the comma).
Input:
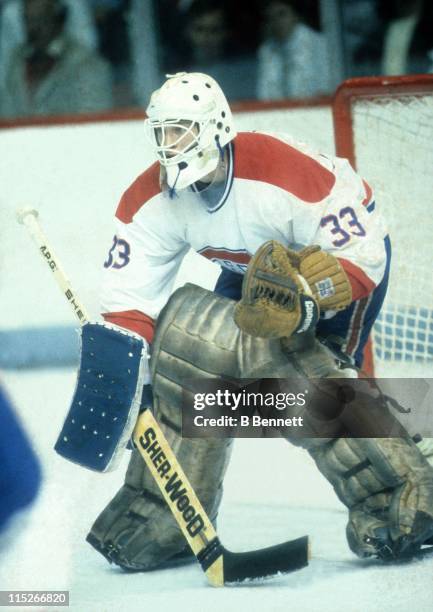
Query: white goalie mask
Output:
(189,122)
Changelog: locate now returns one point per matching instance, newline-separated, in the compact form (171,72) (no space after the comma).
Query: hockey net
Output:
(384,125)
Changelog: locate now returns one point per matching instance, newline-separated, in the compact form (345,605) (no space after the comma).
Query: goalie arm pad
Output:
(107,397)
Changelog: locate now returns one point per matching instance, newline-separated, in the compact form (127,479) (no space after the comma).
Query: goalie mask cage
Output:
(384,126)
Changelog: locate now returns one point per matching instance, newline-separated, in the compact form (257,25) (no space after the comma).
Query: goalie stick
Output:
(220,565)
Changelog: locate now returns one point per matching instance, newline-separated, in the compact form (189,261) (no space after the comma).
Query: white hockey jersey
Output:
(276,189)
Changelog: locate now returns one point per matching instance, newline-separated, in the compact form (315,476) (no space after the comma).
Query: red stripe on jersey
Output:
(362,285)
(235,256)
(134,320)
(356,326)
(368,193)
(145,187)
(260,157)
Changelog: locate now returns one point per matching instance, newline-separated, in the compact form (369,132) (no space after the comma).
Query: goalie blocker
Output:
(107,397)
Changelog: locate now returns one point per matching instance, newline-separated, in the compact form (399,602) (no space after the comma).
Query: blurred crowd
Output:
(80,56)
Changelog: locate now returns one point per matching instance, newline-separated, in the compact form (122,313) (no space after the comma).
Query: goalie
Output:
(321,269)
(224,194)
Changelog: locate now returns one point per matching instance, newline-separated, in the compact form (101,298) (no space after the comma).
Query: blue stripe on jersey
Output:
(208,193)
(371,207)
(229,180)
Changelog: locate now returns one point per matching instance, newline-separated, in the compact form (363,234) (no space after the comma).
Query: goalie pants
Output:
(352,325)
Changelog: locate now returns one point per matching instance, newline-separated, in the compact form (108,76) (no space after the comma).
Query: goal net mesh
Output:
(393,141)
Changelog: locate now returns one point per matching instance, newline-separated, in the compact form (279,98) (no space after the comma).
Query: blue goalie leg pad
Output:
(107,397)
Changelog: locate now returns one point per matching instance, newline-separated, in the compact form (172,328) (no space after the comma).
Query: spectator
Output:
(363,36)
(293,57)
(170,18)
(211,47)
(408,41)
(111,18)
(79,24)
(207,32)
(51,73)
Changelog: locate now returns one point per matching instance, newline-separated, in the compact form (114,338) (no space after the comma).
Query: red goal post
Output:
(384,126)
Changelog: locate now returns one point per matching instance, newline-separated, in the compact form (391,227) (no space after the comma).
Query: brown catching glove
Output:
(283,290)
(325,276)
(276,300)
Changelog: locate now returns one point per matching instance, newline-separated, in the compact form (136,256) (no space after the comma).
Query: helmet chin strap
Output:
(219,147)
(172,188)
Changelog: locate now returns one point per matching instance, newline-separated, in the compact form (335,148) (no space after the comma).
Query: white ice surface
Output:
(273,493)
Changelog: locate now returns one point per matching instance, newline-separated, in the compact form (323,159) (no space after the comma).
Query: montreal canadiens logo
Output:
(233,260)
